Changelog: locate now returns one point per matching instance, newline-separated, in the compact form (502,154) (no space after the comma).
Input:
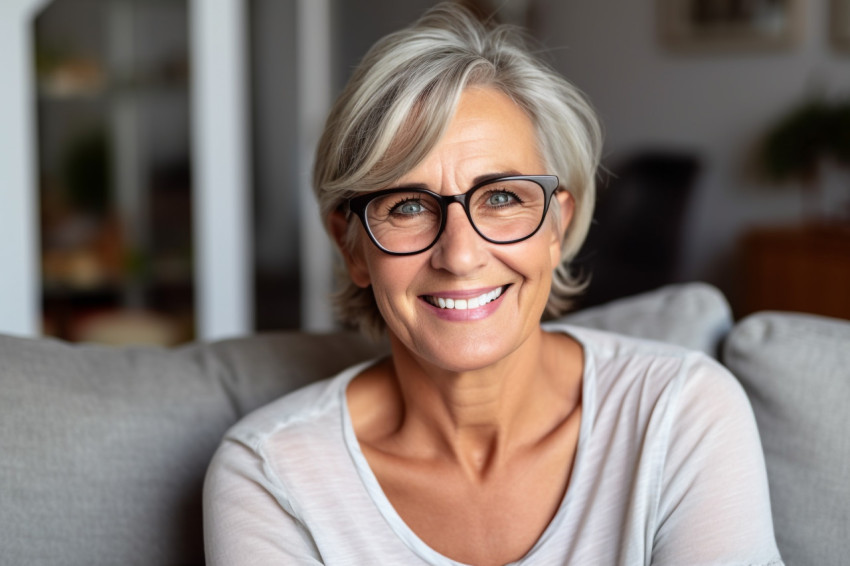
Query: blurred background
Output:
(156,183)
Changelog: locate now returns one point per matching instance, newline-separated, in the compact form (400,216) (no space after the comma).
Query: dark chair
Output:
(635,240)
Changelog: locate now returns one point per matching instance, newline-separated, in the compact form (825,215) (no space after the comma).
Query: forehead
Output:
(488,134)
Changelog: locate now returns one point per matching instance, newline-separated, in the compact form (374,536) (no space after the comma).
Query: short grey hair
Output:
(399,102)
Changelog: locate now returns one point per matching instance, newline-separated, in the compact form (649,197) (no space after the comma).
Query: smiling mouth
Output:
(465,304)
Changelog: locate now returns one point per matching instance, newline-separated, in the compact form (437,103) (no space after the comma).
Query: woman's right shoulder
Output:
(299,409)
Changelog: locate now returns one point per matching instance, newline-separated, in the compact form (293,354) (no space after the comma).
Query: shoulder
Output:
(612,356)
(652,377)
(306,409)
(674,429)
(286,441)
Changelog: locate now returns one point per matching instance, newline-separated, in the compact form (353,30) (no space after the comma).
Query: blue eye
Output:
(501,198)
(408,207)
(411,207)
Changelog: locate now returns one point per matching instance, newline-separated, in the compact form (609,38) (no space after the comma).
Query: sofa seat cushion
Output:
(796,371)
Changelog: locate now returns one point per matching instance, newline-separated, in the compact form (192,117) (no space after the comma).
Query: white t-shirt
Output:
(668,470)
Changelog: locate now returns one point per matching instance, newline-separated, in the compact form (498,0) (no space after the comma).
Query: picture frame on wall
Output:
(839,17)
(731,25)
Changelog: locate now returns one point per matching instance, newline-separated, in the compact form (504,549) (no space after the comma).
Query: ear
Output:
(355,262)
(566,209)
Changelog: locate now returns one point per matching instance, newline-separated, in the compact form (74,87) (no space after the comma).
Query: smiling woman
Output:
(456,176)
(487,135)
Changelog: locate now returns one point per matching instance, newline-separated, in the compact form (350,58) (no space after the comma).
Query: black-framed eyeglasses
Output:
(409,221)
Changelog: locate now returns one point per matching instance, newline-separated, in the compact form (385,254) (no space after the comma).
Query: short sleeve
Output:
(247,517)
(714,507)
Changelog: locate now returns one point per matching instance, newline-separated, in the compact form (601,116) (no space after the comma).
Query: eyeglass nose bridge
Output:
(445,201)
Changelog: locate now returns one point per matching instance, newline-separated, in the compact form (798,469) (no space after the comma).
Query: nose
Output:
(460,250)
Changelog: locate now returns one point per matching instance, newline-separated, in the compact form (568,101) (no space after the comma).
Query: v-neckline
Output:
(400,528)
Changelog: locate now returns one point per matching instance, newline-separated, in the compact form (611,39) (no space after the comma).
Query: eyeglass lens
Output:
(503,211)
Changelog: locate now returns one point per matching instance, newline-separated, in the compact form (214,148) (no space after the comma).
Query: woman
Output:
(456,175)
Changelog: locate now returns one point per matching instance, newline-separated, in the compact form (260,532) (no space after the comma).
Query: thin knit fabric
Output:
(668,470)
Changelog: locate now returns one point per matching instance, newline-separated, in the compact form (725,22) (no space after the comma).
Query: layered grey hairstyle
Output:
(399,103)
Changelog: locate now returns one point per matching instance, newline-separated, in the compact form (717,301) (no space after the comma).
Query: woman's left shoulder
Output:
(652,368)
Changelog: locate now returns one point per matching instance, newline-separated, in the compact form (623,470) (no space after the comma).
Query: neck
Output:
(478,417)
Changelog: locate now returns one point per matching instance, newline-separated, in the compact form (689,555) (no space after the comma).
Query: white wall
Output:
(716,105)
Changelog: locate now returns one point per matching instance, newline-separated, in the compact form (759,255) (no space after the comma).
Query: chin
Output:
(461,354)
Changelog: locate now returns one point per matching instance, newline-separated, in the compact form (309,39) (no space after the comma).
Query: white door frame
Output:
(20,284)
(220,166)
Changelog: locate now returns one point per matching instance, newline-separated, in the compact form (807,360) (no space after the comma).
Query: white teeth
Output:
(464,304)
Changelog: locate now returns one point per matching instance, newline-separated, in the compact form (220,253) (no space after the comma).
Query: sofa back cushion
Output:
(693,315)
(796,370)
(103,450)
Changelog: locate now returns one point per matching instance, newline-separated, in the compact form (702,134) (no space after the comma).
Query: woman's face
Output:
(489,136)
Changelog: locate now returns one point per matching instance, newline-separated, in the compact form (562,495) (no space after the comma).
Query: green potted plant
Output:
(812,135)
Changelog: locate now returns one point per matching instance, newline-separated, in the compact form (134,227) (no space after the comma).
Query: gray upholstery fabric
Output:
(796,370)
(693,315)
(103,450)
(261,368)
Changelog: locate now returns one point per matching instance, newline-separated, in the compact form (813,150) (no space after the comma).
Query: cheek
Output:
(394,288)
(390,275)
(535,258)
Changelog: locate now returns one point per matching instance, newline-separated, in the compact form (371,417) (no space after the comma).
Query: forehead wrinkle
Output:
(489,135)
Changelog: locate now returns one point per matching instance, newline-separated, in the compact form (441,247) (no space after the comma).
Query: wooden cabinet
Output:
(804,269)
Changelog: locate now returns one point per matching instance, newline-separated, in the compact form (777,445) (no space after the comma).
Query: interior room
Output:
(165,271)
(689,101)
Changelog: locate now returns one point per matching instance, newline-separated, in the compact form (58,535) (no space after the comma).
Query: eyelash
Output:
(394,206)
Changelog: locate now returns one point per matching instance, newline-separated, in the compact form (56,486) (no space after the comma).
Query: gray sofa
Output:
(103,450)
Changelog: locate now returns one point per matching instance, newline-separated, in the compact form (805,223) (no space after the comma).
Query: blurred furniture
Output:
(635,240)
(803,268)
(105,448)
(215,33)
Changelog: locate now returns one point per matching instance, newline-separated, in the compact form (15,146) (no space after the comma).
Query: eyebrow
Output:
(476,181)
